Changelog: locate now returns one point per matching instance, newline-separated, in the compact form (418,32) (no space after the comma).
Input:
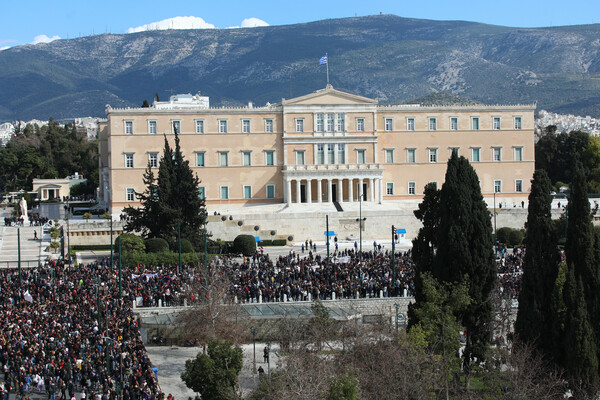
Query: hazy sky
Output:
(32,21)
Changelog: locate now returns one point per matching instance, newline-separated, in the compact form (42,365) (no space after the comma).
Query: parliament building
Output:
(326,146)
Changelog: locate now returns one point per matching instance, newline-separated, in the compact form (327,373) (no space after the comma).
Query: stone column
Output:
(298,191)
(380,190)
(340,190)
(309,190)
(329,190)
(319,190)
(288,191)
(350,190)
(371,190)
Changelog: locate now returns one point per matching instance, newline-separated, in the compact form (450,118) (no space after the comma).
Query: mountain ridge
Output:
(392,58)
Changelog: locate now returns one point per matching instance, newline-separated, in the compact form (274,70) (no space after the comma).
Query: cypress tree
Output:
(465,252)
(424,245)
(536,315)
(581,287)
(147,218)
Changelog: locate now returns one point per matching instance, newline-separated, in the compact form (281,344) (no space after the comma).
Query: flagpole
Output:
(327,64)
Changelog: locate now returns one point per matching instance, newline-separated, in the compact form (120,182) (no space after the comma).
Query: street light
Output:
(360,220)
(495,237)
(253,330)
(68,217)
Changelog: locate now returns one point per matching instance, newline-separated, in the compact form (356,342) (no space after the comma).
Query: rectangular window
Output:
(153,160)
(299,125)
(247,192)
(269,157)
(389,188)
(476,154)
(412,188)
(432,123)
(129,127)
(320,122)
(341,122)
(410,124)
(270,191)
(130,194)
(299,157)
(330,153)
(330,119)
(432,155)
(475,123)
(454,123)
(245,126)
(269,125)
(199,126)
(200,159)
(152,127)
(222,126)
(246,158)
(223,159)
(496,124)
(341,153)
(411,156)
(360,124)
(497,153)
(518,186)
(388,124)
(498,186)
(176,124)
(320,154)
(202,192)
(360,156)
(518,124)
(518,154)
(224,192)
(389,156)
(128,160)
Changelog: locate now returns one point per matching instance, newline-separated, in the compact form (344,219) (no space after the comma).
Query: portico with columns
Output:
(319,184)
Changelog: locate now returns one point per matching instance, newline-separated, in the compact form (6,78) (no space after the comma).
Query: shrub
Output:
(156,245)
(88,216)
(502,234)
(515,237)
(279,242)
(244,244)
(186,246)
(131,243)
(163,257)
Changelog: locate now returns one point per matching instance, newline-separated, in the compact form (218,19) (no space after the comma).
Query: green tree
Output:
(425,244)
(465,252)
(145,104)
(214,375)
(343,387)
(536,315)
(581,288)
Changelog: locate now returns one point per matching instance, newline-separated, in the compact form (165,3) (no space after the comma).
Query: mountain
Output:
(392,58)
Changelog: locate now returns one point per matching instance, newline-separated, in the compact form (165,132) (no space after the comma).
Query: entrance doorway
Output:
(302,193)
(334,192)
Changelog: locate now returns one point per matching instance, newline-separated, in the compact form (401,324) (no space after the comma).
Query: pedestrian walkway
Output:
(31,249)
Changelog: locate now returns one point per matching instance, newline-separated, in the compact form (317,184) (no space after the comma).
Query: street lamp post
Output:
(495,237)
(68,217)
(360,221)
(327,234)
(394,261)
(253,330)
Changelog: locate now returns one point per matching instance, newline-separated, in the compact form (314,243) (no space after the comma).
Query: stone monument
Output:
(23,208)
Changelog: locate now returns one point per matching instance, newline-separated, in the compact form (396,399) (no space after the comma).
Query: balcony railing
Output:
(333,167)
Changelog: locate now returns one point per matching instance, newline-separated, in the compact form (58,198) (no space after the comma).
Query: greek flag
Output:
(323,60)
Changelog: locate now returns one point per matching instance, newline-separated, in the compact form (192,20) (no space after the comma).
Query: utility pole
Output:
(394,260)
(179,241)
(19,251)
(327,234)
(120,270)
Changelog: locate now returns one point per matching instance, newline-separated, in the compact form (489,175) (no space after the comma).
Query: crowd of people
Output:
(34,220)
(65,332)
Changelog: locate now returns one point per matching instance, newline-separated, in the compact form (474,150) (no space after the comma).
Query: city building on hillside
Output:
(326,146)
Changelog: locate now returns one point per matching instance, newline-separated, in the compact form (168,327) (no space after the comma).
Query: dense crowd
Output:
(34,220)
(64,332)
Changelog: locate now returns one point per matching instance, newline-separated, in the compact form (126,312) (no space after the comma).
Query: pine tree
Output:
(147,219)
(465,252)
(424,245)
(535,319)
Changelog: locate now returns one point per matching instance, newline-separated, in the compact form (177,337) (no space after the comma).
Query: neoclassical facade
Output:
(326,146)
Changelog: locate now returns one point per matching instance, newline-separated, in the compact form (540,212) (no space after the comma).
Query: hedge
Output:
(276,242)
(244,244)
(186,246)
(162,258)
(156,245)
(509,236)
(91,247)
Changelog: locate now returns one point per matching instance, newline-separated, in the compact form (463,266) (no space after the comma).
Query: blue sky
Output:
(24,20)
